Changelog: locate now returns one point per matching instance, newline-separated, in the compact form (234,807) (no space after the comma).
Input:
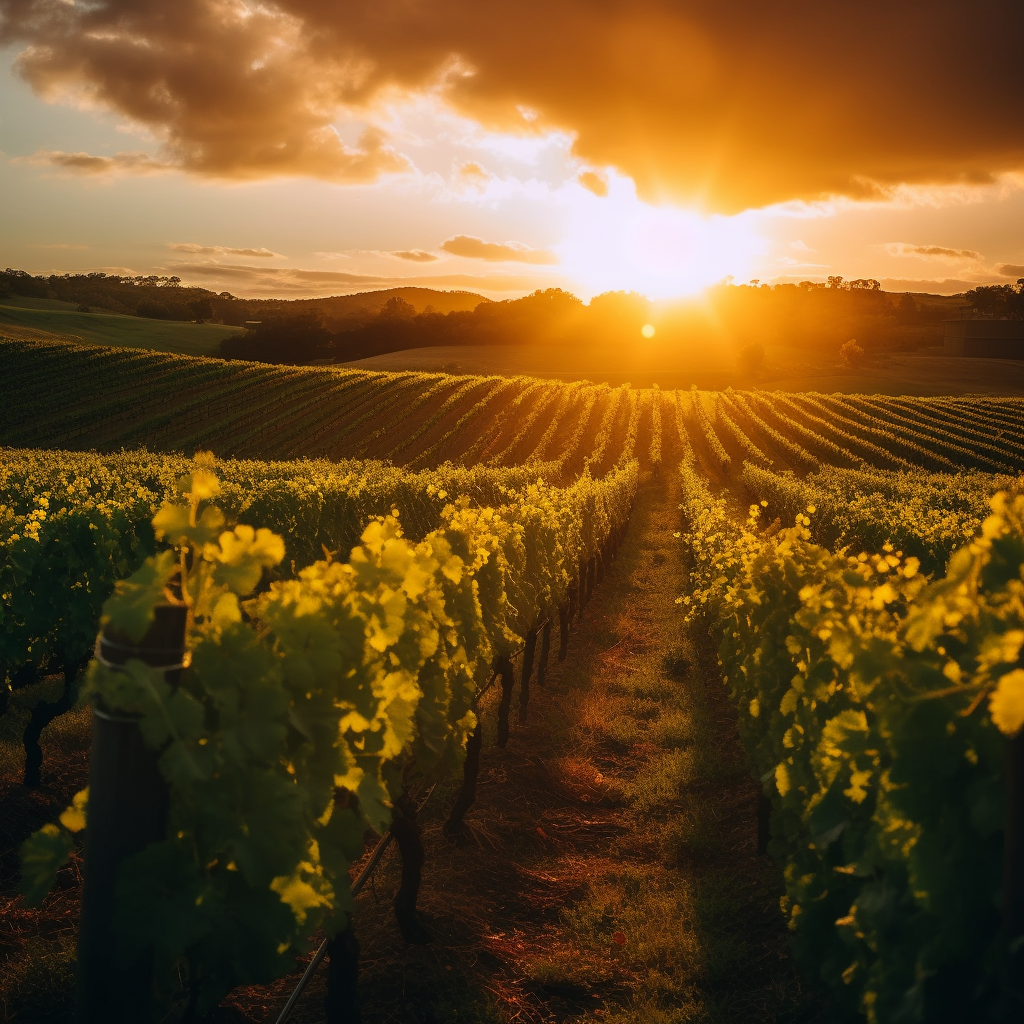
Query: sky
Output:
(309,148)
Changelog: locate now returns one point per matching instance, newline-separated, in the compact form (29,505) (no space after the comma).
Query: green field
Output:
(715,368)
(27,319)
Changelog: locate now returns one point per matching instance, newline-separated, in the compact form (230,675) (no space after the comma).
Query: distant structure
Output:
(996,339)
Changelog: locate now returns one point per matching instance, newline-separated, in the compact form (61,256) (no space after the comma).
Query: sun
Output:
(618,242)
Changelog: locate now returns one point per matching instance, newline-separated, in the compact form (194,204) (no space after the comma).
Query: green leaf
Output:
(43,854)
(130,608)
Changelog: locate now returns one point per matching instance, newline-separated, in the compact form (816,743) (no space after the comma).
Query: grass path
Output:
(609,870)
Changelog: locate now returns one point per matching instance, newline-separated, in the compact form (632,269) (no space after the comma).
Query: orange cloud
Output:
(594,182)
(221,250)
(497,252)
(1011,269)
(473,174)
(936,251)
(725,105)
(416,255)
(87,164)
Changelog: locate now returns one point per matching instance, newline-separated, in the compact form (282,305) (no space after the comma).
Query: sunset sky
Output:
(312,147)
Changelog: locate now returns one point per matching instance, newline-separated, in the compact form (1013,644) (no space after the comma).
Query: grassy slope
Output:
(49,317)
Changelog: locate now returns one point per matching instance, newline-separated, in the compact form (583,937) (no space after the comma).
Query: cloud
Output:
(727,106)
(473,174)
(934,251)
(594,182)
(1011,269)
(221,250)
(416,255)
(287,282)
(87,164)
(497,252)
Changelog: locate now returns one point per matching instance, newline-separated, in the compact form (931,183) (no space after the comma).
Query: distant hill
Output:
(422,300)
(40,319)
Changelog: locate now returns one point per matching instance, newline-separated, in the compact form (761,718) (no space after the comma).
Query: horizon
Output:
(695,298)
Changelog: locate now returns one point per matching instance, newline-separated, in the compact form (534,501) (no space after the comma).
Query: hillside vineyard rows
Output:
(379,551)
(63,395)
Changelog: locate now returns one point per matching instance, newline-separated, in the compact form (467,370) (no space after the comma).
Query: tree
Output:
(396,308)
(201,309)
(852,354)
(283,339)
(153,310)
(997,301)
(751,357)
(906,310)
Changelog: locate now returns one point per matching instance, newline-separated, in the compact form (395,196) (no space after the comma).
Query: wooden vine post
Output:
(1013,861)
(127,811)
(341,1001)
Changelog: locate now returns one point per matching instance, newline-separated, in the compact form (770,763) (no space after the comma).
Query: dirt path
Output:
(609,869)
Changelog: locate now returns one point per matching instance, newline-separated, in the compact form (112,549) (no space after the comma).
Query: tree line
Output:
(814,315)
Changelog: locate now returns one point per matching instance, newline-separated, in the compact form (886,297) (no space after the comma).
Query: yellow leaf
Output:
(858,783)
(226,611)
(1006,705)
(299,895)
(171,523)
(204,485)
(73,818)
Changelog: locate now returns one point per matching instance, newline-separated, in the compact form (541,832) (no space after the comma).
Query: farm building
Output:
(997,339)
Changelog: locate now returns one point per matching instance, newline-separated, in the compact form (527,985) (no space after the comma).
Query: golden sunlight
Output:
(619,242)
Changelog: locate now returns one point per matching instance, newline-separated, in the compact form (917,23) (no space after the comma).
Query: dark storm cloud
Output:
(731,105)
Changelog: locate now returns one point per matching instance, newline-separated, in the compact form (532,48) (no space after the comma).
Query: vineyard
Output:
(371,591)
